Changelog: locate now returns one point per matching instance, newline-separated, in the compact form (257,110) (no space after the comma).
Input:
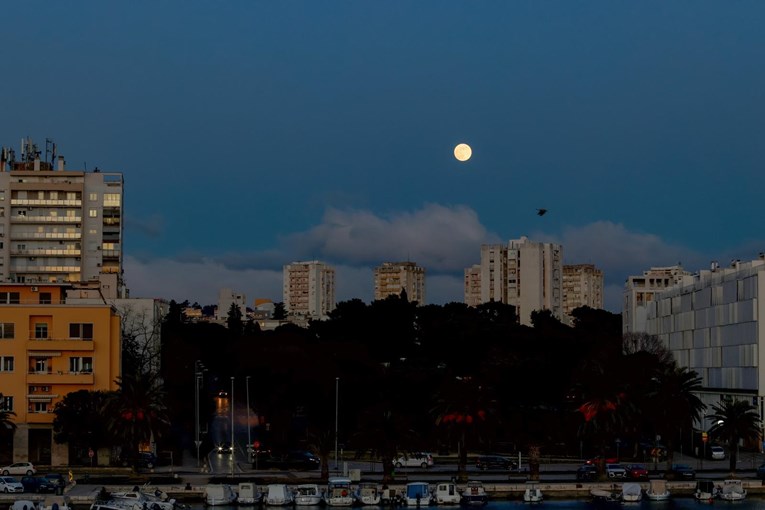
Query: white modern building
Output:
(57,225)
(640,291)
(393,277)
(228,297)
(711,324)
(582,286)
(523,273)
(309,290)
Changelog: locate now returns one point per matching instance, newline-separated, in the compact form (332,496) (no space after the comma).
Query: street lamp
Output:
(337,393)
(199,370)
(231,402)
(249,440)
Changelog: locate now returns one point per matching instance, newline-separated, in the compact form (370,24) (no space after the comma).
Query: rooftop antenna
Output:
(50,148)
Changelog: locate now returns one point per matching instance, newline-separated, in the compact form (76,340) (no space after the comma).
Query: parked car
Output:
(616,471)
(37,484)
(18,468)
(484,462)
(296,459)
(761,471)
(716,452)
(9,484)
(636,471)
(56,479)
(419,459)
(586,473)
(680,472)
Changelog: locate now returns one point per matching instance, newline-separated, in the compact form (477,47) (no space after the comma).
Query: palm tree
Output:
(6,421)
(137,411)
(673,403)
(734,421)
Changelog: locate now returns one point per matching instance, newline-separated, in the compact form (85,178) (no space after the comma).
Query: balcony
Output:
(52,377)
(46,202)
(35,345)
(23,218)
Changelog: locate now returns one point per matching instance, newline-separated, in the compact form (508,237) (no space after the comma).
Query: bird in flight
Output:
(541,212)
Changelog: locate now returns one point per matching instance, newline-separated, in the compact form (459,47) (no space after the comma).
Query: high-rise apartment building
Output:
(582,286)
(525,274)
(639,292)
(309,289)
(57,225)
(393,277)
(226,298)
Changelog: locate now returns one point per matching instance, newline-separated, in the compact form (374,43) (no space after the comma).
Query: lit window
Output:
(93,213)
(93,197)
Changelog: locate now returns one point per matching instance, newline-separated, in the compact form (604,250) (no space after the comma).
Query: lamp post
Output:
(249,439)
(337,393)
(231,403)
(198,380)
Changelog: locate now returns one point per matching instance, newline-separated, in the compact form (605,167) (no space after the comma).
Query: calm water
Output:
(680,503)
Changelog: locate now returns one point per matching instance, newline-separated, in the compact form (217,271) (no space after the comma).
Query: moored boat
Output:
(446,493)
(631,492)
(339,492)
(474,494)
(278,494)
(732,490)
(219,494)
(308,494)
(657,490)
(248,494)
(417,494)
(532,494)
(706,490)
(367,493)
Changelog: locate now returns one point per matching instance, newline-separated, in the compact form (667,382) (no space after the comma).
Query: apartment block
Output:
(309,290)
(228,297)
(394,277)
(58,225)
(49,348)
(523,273)
(582,286)
(711,324)
(640,291)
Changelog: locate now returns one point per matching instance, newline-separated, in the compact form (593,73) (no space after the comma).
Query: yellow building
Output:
(49,348)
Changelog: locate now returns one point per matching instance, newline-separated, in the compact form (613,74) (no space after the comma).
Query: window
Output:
(81,331)
(40,365)
(41,330)
(6,403)
(9,298)
(46,298)
(38,407)
(93,197)
(7,329)
(111,199)
(93,213)
(6,363)
(81,364)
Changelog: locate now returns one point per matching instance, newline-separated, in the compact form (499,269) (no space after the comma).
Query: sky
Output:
(253,134)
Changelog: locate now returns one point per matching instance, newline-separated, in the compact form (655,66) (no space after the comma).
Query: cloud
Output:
(442,239)
(151,227)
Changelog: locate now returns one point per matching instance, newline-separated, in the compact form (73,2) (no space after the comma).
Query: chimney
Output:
(60,165)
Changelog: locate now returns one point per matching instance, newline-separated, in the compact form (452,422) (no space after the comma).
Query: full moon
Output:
(463,152)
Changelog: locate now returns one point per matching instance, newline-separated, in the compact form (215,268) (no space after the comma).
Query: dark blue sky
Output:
(252,134)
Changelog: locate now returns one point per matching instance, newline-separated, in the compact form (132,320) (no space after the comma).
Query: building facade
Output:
(309,290)
(49,348)
(582,286)
(226,298)
(523,273)
(57,225)
(393,277)
(640,291)
(711,324)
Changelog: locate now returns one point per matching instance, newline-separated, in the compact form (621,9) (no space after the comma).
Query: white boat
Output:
(308,494)
(339,492)
(732,490)
(706,490)
(23,504)
(367,493)
(55,502)
(137,499)
(631,492)
(532,494)
(219,494)
(474,494)
(248,494)
(278,494)
(446,493)
(417,494)
(657,490)
(601,495)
